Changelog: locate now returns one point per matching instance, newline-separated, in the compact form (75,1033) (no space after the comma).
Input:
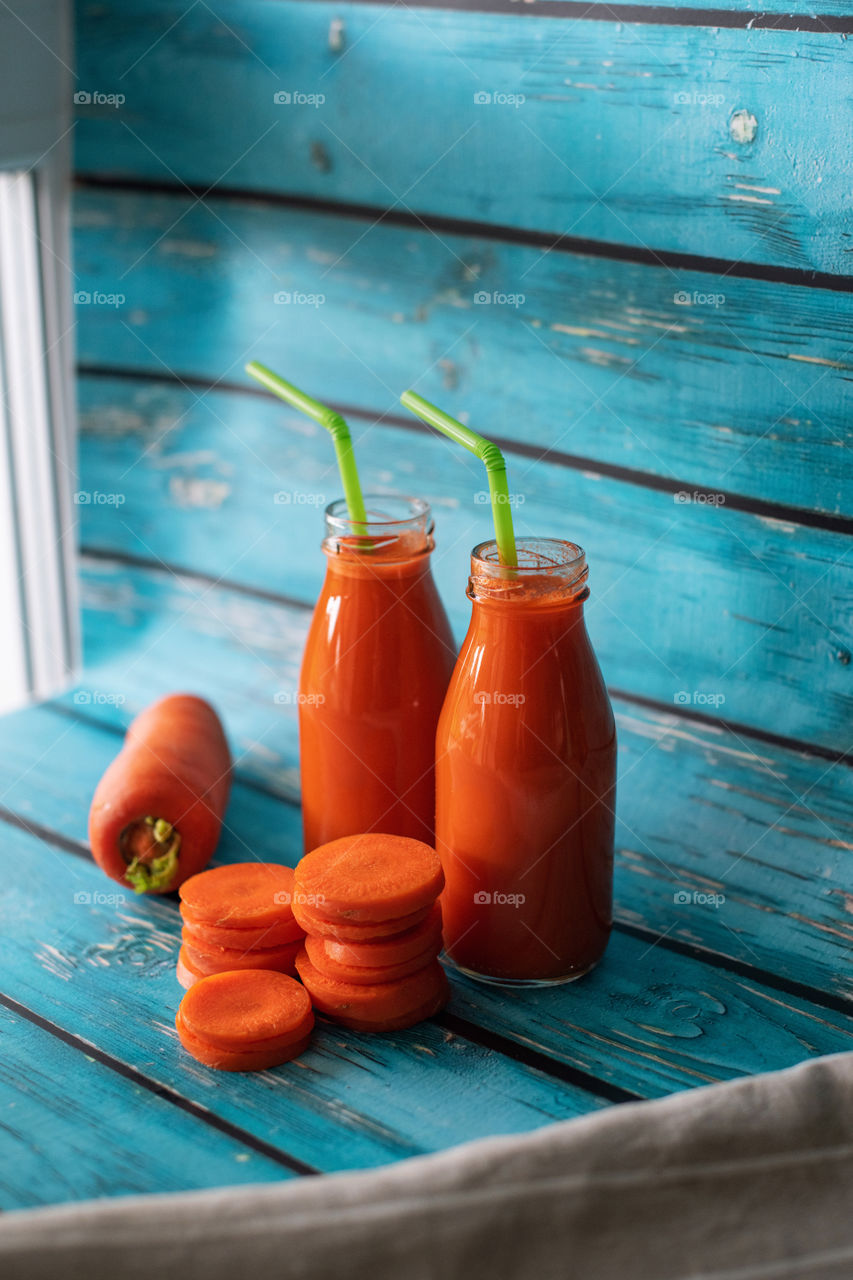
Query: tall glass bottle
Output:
(526,775)
(374,674)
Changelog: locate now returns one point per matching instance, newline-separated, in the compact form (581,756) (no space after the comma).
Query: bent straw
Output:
(334,424)
(488,453)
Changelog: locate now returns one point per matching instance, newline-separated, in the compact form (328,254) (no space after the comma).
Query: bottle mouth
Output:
(549,571)
(397,527)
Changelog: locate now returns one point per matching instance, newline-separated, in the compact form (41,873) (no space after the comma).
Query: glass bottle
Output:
(374,674)
(526,775)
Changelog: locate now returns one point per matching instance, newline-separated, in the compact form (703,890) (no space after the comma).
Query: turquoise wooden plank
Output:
(689,1024)
(648,1020)
(686,138)
(73,1130)
(743,606)
(768,829)
(736,846)
(105,970)
(751,397)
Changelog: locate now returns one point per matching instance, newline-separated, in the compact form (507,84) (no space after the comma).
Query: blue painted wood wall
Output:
(621,246)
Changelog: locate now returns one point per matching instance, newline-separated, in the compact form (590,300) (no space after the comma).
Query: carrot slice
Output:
(427,1010)
(191,969)
(186,972)
(316,949)
(239,1010)
(353,931)
(379,1003)
(242,936)
(197,940)
(219,960)
(283,1041)
(369,877)
(253,894)
(393,950)
(239,1060)
(157,811)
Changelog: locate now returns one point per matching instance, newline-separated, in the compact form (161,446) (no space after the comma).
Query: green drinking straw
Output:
(334,424)
(495,468)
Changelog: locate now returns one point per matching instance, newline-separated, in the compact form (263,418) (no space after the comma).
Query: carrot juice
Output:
(374,674)
(526,775)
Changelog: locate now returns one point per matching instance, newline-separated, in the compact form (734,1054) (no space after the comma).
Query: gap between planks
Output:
(105,555)
(468,1030)
(552,242)
(243,1136)
(782,512)
(641,14)
(459,1027)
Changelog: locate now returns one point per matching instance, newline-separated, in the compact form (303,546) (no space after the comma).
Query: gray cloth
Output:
(743,1181)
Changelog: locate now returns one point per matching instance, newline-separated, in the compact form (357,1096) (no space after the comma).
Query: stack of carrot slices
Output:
(238,917)
(247,1020)
(368,905)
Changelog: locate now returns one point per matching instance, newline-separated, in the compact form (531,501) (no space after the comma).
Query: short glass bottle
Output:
(374,674)
(526,775)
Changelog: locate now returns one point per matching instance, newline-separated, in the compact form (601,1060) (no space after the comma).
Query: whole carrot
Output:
(157,812)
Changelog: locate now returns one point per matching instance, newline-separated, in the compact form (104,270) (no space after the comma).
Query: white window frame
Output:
(39,630)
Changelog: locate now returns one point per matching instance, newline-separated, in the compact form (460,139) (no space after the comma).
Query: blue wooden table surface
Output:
(635,278)
(727,957)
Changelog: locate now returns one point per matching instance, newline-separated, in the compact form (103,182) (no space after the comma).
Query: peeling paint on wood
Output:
(722,390)
(743,605)
(633,150)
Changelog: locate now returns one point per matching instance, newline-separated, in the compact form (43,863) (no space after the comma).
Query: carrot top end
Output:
(153,869)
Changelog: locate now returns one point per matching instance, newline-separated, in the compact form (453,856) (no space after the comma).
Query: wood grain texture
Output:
(649,1021)
(681,1023)
(702,812)
(71,1130)
(601,362)
(739,615)
(104,969)
(608,131)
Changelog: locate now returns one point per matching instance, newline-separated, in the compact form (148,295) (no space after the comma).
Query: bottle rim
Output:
(536,555)
(550,572)
(411,512)
(398,529)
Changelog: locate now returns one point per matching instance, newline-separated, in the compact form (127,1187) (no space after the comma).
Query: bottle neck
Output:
(396,540)
(551,575)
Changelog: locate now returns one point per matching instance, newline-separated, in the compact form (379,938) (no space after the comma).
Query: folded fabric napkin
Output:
(750,1180)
